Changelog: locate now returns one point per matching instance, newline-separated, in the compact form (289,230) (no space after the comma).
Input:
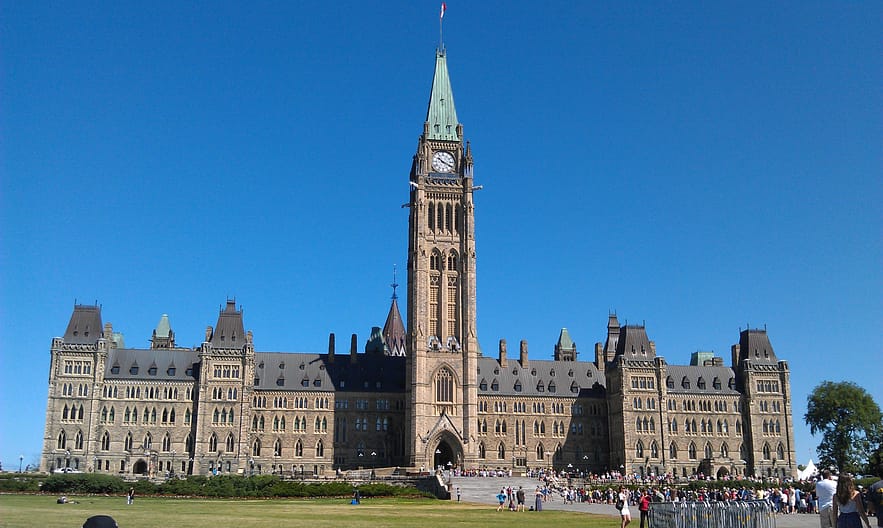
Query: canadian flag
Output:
(442,14)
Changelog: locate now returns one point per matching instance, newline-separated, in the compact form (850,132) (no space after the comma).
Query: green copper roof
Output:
(564,340)
(163,328)
(442,116)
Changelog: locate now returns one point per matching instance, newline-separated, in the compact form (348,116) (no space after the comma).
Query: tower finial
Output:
(394,284)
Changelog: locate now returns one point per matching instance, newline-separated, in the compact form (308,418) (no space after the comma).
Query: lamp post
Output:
(373,463)
(67,458)
(20,460)
(251,466)
(437,453)
(586,463)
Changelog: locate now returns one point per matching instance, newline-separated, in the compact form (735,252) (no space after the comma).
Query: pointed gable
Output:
(441,115)
(84,326)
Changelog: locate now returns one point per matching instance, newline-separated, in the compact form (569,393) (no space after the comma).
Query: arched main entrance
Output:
(448,453)
(722,473)
(140,468)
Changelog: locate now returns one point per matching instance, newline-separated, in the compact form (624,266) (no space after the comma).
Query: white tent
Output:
(807,473)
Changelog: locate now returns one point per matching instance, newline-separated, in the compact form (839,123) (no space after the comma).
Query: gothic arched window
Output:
(444,386)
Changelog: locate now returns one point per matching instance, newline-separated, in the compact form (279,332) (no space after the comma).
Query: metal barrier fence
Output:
(730,514)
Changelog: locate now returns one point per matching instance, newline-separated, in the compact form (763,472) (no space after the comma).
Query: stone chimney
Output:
(523,353)
(331,350)
(503,353)
(599,356)
(354,342)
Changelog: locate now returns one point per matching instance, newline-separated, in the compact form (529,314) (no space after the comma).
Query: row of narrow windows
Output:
(502,406)
(281,402)
(539,451)
(77,367)
(149,393)
(166,416)
(704,406)
(299,424)
(298,451)
(82,389)
(558,428)
(443,217)
(704,426)
(218,393)
(128,442)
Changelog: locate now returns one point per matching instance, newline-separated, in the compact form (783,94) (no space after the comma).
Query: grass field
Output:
(42,512)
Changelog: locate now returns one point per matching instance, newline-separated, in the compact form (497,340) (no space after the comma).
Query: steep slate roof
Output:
(229,332)
(633,343)
(441,109)
(692,374)
(755,345)
(290,371)
(84,326)
(124,359)
(566,377)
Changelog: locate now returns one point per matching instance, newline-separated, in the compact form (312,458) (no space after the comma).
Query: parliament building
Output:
(416,395)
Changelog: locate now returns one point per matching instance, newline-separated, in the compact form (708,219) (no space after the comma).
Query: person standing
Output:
(848,508)
(501,498)
(538,495)
(875,496)
(130,496)
(458,493)
(644,508)
(519,496)
(624,513)
(825,490)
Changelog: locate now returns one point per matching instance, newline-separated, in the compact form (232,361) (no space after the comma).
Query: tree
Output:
(850,422)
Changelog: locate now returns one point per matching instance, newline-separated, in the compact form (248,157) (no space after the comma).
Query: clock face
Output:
(443,161)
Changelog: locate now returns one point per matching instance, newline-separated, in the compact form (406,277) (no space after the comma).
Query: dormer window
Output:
(716,383)
(669,383)
(685,383)
(115,369)
(541,387)
(700,383)
(495,386)
(280,382)
(133,370)
(552,387)
(517,386)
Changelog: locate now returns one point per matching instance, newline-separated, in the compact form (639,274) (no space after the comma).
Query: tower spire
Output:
(441,116)
(395,283)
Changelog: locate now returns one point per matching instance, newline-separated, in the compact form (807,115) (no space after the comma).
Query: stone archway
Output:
(447,453)
(722,473)
(140,468)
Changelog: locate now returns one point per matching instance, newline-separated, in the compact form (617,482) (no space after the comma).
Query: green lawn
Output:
(42,512)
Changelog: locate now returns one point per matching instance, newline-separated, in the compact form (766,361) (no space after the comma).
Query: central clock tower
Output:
(442,343)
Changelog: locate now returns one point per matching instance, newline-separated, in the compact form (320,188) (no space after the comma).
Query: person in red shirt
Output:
(644,507)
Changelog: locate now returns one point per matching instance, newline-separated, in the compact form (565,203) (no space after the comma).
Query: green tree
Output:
(850,423)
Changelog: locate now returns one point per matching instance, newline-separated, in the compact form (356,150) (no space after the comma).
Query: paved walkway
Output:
(483,490)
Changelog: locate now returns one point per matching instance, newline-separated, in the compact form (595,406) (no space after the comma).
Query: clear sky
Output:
(698,167)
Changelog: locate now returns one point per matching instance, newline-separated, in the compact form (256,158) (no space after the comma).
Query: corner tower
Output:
(442,344)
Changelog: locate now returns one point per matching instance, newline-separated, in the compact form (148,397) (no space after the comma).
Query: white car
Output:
(67,470)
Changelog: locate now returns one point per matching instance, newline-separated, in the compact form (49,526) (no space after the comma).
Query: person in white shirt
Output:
(825,490)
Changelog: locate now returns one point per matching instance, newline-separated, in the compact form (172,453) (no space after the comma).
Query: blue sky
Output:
(698,167)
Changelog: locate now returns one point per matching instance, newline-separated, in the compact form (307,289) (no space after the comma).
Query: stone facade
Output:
(417,398)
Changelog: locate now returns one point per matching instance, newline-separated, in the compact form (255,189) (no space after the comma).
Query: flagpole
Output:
(441,16)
